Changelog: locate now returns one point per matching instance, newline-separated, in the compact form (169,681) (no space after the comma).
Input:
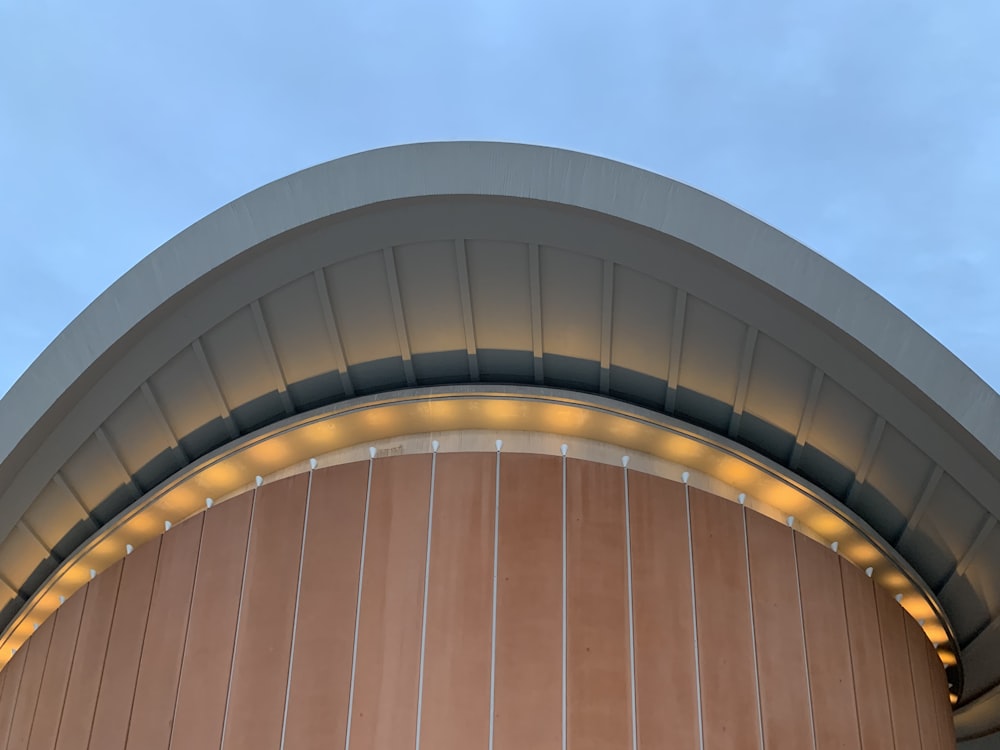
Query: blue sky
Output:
(869,131)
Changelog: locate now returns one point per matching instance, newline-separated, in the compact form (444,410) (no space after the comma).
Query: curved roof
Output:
(472,262)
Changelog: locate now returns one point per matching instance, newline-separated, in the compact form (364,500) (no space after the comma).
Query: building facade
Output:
(482,445)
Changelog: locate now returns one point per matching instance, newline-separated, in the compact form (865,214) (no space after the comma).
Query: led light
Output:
(371,452)
(313,463)
(869,570)
(93,574)
(685,477)
(742,497)
(625,461)
(259,480)
(790,521)
(209,502)
(435,445)
(129,549)
(835,546)
(564,448)
(499,445)
(167,525)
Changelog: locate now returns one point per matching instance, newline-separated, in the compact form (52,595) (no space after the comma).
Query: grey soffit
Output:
(474,262)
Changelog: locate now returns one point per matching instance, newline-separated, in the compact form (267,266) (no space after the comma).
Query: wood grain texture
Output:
(208,652)
(902,705)
(456,698)
(320,685)
(528,705)
(666,693)
(163,649)
(941,704)
(52,693)
(725,647)
(31,682)
(874,718)
(264,636)
(385,688)
(599,690)
(121,664)
(781,659)
(923,692)
(88,661)
(828,649)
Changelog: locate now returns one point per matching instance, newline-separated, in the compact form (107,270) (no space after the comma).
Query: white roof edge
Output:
(502,170)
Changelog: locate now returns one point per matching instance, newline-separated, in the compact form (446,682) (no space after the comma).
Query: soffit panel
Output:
(237,359)
(499,287)
(430,296)
(711,351)
(841,425)
(183,394)
(779,384)
(362,305)
(571,294)
(294,317)
(642,322)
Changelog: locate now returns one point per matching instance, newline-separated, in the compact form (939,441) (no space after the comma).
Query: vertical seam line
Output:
(631,616)
(239,617)
(357,611)
(694,620)
(187,631)
(753,627)
(45,663)
(423,616)
(295,616)
(493,626)
(805,644)
(885,667)
(564,614)
(850,654)
(142,643)
(107,647)
(72,663)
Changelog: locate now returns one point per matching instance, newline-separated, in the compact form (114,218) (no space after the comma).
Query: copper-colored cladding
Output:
(725,647)
(160,668)
(194,641)
(827,647)
(528,705)
(385,685)
(666,692)
(781,668)
(902,703)
(324,638)
(57,671)
(456,695)
(215,604)
(256,705)
(874,718)
(599,672)
(88,661)
(125,644)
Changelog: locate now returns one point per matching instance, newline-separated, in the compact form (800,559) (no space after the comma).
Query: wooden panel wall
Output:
(557,603)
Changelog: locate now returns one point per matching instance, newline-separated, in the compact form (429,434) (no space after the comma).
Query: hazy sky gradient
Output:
(869,131)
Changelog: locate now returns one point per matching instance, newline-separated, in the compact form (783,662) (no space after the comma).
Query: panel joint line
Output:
(357,611)
(423,617)
(564,628)
(694,621)
(805,645)
(631,615)
(753,626)
(295,616)
(493,624)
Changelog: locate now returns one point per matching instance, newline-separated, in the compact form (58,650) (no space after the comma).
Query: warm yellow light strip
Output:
(548,415)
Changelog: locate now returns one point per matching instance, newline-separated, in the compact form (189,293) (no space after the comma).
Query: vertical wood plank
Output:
(599,700)
(121,665)
(163,650)
(456,699)
(725,648)
(88,661)
(828,650)
(264,638)
(208,653)
(781,659)
(385,687)
(923,692)
(902,705)
(324,640)
(57,671)
(666,693)
(942,703)
(867,662)
(8,699)
(31,682)
(528,703)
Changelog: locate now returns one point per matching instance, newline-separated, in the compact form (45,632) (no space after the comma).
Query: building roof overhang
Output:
(476,262)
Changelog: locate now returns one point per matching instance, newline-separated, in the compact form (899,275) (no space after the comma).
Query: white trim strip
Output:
(493,626)
(631,616)
(239,616)
(694,621)
(357,611)
(295,616)
(427,583)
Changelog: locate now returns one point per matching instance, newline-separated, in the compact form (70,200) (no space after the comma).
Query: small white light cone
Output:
(869,570)
(564,448)
(835,546)
(313,463)
(129,549)
(790,521)
(435,445)
(259,480)
(209,502)
(167,525)
(685,477)
(62,599)
(499,445)
(742,498)
(93,574)
(371,452)
(625,461)
(899,597)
